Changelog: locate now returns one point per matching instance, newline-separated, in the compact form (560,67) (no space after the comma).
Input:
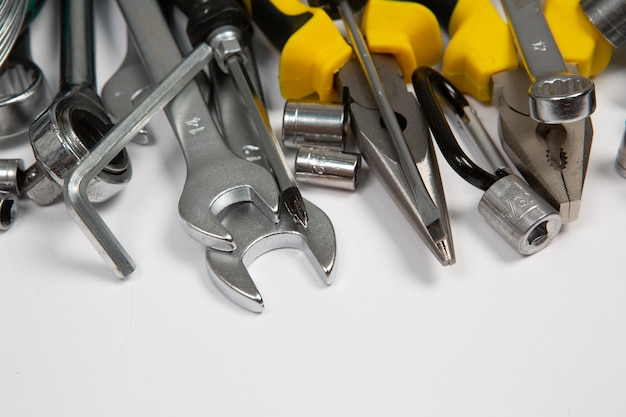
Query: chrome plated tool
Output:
(375,146)
(403,159)
(429,211)
(12,17)
(253,232)
(216,178)
(520,215)
(76,187)
(75,121)
(126,87)
(328,167)
(9,210)
(226,26)
(481,59)
(11,178)
(309,123)
(24,91)
(555,95)
(255,235)
(180,74)
(609,17)
(545,130)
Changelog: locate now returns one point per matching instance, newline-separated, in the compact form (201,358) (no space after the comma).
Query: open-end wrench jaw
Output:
(198,212)
(256,235)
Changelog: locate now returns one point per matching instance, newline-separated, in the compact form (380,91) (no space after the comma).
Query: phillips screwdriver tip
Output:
(295,206)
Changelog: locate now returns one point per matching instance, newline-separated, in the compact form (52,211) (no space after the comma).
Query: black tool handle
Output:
(427,84)
(205,17)
(277,25)
(443,9)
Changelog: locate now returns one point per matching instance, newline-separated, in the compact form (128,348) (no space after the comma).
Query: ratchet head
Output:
(255,235)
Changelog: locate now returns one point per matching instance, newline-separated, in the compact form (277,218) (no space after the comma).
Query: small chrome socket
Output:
(328,167)
(314,124)
(520,215)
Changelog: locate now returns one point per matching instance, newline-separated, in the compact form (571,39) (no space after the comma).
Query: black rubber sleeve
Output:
(428,83)
(186,6)
(277,26)
(441,8)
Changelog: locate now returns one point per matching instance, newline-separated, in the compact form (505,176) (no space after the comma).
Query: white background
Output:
(396,334)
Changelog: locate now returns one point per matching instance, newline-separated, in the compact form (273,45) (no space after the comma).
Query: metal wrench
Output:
(255,234)
(555,95)
(75,188)
(216,177)
(125,88)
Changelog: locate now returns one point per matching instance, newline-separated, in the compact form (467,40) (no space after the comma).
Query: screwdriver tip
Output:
(295,206)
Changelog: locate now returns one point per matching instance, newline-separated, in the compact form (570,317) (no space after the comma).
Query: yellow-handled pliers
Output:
(481,59)
(317,60)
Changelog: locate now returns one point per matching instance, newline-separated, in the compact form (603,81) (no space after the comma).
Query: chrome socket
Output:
(8,210)
(11,175)
(522,217)
(328,167)
(314,124)
(609,17)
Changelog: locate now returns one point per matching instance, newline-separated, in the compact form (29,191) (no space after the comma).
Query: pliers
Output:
(481,60)
(317,60)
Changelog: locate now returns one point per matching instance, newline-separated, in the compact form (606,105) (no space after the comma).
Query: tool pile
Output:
(347,99)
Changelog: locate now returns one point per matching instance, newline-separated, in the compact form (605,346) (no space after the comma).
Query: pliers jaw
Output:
(553,158)
(375,145)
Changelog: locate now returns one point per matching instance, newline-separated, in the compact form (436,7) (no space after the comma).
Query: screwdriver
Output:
(315,58)
(225,25)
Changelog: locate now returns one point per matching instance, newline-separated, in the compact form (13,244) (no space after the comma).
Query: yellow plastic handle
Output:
(480,46)
(481,43)
(407,30)
(314,51)
(579,41)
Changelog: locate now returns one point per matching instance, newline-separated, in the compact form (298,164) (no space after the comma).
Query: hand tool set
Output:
(372,94)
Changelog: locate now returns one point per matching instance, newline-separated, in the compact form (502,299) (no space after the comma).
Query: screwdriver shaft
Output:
(426,206)
(267,140)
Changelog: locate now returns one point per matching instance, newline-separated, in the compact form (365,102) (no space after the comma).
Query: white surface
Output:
(396,334)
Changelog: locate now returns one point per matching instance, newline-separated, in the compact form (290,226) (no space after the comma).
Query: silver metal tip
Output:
(441,242)
(295,206)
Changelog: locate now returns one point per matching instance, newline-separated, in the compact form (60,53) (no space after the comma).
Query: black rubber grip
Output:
(441,8)
(277,26)
(428,83)
(206,17)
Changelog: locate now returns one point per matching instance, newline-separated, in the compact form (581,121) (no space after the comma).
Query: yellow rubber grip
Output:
(579,41)
(480,45)
(407,30)
(312,55)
